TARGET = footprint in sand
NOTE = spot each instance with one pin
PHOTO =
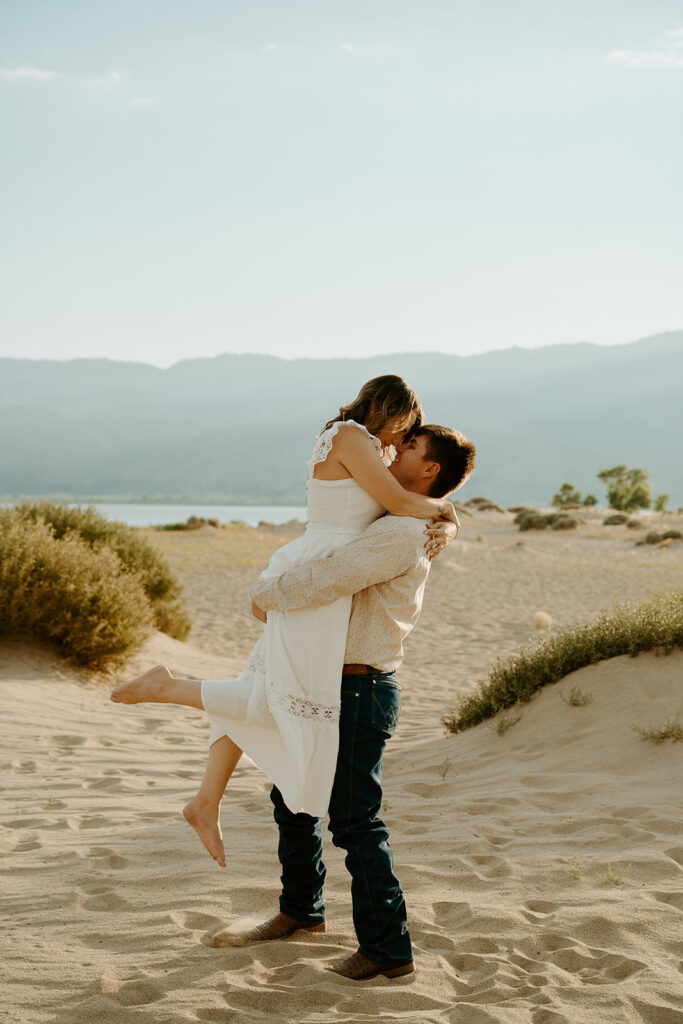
(595, 966)
(67, 740)
(138, 993)
(422, 789)
(672, 899)
(103, 857)
(538, 910)
(88, 821)
(490, 866)
(193, 921)
(102, 901)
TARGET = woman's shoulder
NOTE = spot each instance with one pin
(350, 431)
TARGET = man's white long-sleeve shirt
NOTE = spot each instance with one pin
(386, 569)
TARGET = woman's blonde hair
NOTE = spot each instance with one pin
(381, 400)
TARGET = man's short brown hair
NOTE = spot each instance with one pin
(454, 453)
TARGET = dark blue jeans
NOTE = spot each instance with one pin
(370, 708)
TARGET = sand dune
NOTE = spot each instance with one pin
(541, 867)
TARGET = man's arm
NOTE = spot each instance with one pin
(377, 555)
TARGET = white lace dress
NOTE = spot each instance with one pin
(283, 710)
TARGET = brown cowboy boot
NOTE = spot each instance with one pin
(278, 927)
(358, 968)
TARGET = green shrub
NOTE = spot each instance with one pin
(480, 501)
(70, 593)
(532, 519)
(616, 520)
(627, 489)
(534, 522)
(656, 623)
(524, 513)
(136, 555)
(590, 499)
(634, 524)
(564, 523)
(567, 495)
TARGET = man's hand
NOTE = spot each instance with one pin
(258, 613)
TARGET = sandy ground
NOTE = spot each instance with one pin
(541, 867)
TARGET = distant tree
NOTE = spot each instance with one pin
(567, 495)
(590, 499)
(627, 489)
(661, 501)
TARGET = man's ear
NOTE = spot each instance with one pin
(432, 470)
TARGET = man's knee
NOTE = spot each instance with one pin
(367, 831)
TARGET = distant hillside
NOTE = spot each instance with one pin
(239, 428)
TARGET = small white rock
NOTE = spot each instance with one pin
(543, 620)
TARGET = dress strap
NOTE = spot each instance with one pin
(323, 443)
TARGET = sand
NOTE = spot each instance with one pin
(541, 867)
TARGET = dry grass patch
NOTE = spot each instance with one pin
(672, 730)
(653, 624)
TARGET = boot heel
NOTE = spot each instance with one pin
(396, 972)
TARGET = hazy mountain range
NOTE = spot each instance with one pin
(238, 429)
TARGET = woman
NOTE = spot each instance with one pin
(283, 710)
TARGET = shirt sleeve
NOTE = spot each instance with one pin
(372, 558)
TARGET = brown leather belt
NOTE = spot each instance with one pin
(358, 670)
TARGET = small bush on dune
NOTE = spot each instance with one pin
(616, 520)
(69, 593)
(655, 537)
(630, 628)
(135, 554)
(532, 519)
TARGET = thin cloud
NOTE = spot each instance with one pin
(112, 79)
(347, 48)
(666, 55)
(27, 74)
(651, 59)
(270, 47)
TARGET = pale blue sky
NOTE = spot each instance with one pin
(309, 178)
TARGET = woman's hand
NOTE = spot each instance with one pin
(258, 613)
(447, 514)
(441, 531)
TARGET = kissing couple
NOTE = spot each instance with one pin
(318, 698)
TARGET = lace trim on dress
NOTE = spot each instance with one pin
(298, 707)
(323, 443)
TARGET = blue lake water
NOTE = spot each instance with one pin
(153, 515)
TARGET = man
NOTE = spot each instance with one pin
(386, 569)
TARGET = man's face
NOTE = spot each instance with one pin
(409, 465)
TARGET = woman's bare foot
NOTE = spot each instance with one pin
(147, 687)
(204, 820)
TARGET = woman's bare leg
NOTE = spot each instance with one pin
(203, 811)
(158, 686)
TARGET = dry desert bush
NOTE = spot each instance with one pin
(134, 553)
(66, 591)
